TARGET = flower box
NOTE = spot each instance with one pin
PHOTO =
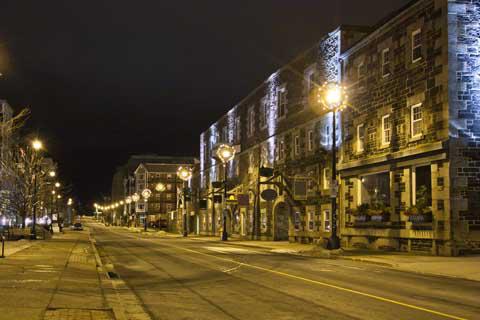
(380, 218)
(362, 218)
(420, 218)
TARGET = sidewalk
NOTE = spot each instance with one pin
(52, 279)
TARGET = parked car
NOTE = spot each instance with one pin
(77, 226)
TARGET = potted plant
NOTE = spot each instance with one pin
(361, 213)
(421, 211)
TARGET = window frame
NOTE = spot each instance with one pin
(310, 139)
(281, 101)
(360, 75)
(360, 141)
(238, 129)
(412, 121)
(413, 46)
(263, 112)
(251, 121)
(327, 220)
(384, 136)
(385, 65)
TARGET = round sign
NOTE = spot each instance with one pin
(269, 194)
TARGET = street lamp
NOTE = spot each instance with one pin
(160, 187)
(226, 153)
(146, 193)
(57, 184)
(52, 174)
(185, 174)
(37, 145)
(333, 97)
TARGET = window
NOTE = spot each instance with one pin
(326, 135)
(326, 178)
(416, 45)
(169, 207)
(225, 134)
(251, 121)
(282, 102)
(386, 62)
(297, 145)
(326, 220)
(360, 70)
(386, 130)
(169, 196)
(416, 121)
(311, 220)
(310, 78)
(360, 137)
(251, 164)
(422, 186)
(264, 112)
(238, 129)
(375, 189)
(169, 186)
(281, 150)
(310, 140)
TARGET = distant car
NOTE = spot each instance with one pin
(77, 226)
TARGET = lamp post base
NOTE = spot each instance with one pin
(185, 233)
(333, 243)
(224, 236)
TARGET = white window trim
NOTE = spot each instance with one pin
(264, 112)
(311, 218)
(308, 75)
(310, 140)
(327, 217)
(384, 142)
(360, 144)
(414, 33)
(281, 90)
(326, 179)
(251, 121)
(384, 75)
(418, 135)
(296, 144)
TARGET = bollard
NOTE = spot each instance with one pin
(3, 247)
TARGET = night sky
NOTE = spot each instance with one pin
(106, 79)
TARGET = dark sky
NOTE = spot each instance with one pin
(105, 79)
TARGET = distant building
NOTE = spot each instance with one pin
(409, 170)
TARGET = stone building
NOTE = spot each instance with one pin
(408, 161)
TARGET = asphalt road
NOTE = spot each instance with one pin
(179, 278)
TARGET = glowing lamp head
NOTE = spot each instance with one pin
(52, 174)
(184, 173)
(37, 145)
(128, 200)
(59, 197)
(53, 192)
(332, 96)
(146, 193)
(226, 152)
(135, 197)
(57, 184)
(121, 202)
(160, 187)
(95, 205)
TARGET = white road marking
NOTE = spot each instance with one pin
(231, 250)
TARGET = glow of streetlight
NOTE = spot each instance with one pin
(121, 202)
(160, 187)
(128, 200)
(53, 192)
(52, 174)
(146, 193)
(184, 173)
(332, 96)
(59, 197)
(37, 145)
(135, 197)
(57, 184)
(226, 152)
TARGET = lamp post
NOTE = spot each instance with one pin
(185, 174)
(128, 201)
(37, 145)
(135, 198)
(333, 98)
(226, 153)
(146, 193)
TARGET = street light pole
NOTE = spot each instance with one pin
(184, 173)
(37, 145)
(334, 99)
(226, 153)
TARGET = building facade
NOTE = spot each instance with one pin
(408, 169)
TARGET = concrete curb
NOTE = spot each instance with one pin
(11, 251)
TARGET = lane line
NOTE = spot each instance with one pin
(288, 275)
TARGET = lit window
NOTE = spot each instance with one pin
(422, 186)
(282, 102)
(281, 150)
(416, 45)
(386, 62)
(360, 70)
(326, 178)
(310, 140)
(326, 220)
(169, 186)
(360, 137)
(386, 130)
(297, 145)
(416, 120)
(375, 189)
(169, 196)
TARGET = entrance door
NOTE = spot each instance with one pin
(281, 214)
